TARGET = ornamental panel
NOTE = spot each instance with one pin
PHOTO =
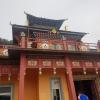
(8, 70)
(52, 46)
(76, 64)
(71, 47)
(43, 46)
(32, 63)
(89, 64)
(56, 46)
(59, 47)
(83, 48)
(3, 52)
(47, 63)
(60, 63)
(98, 64)
(5, 70)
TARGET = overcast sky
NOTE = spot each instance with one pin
(83, 15)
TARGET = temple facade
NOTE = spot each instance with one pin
(46, 63)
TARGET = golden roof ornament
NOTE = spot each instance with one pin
(53, 30)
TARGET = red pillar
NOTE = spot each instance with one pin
(21, 77)
(70, 80)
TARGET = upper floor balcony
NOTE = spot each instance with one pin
(64, 45)
(51, 45)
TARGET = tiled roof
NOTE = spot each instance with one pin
(38, 21)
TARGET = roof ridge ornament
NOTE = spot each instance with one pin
(53, 30)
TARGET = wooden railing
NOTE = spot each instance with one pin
(53, 45)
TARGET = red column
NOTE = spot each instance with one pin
(70, 80)
(21, 77)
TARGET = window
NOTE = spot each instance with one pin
(5, 92)
(56, 89)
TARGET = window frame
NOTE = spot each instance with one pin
(11, 86)
(60, 83)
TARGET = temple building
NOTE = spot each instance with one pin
(46, 63)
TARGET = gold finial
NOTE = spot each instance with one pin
(54, 30)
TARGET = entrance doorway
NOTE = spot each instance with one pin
(5, 92)
(86, 87)
(4, 98)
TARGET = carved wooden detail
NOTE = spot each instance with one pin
(43, 46)
(89, 64)
(75, 63)
(3, 52)
(98, 64)
(71, 47)
(8, 70)
(32, 63)
(59, 47)
(60, 63)
(47, 63)
(5, 70)
(83, 48)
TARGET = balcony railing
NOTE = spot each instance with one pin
(53, 45)
(62, 45)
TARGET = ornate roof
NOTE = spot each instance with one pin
(43, 22)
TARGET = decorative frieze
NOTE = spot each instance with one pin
(60, 63)
(8, 70)
(59, 47)
(47, 63)
(43, 46)
(50, 46)
(5, 70)
(75, 63)
(83, 48)
(32, 63)
(3, 52)
(98, 64)
(89, 64)
(71, 47)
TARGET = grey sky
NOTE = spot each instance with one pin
(83, 15)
